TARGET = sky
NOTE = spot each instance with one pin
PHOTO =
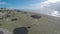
(18, 4)
(40, 6)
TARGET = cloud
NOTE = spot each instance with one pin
(3, 3)
(52, 4)
(51, 7)
(47, 3)
(55, 6)
(53, 1)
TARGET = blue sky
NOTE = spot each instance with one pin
(43, 6)
(18, 4)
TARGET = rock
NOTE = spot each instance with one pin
(28, 27)
(4, 31)
(1, 18)
(20, 30)
(36, 16)
(14, 19)
(7, 15)
(0, 24)
(1, 32)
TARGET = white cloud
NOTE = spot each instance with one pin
(43, 4)
(51, 7)
(53, 1)
(48, 3)
(3, 3)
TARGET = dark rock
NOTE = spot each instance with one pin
(28, 27)
(36, 16)
(25, 12)
(1, 18)
(14, 19)
(7, 15)
(0, 24)
(1, 32)
(19, 11)
(21, 30)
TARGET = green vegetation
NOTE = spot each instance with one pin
(1, 11)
